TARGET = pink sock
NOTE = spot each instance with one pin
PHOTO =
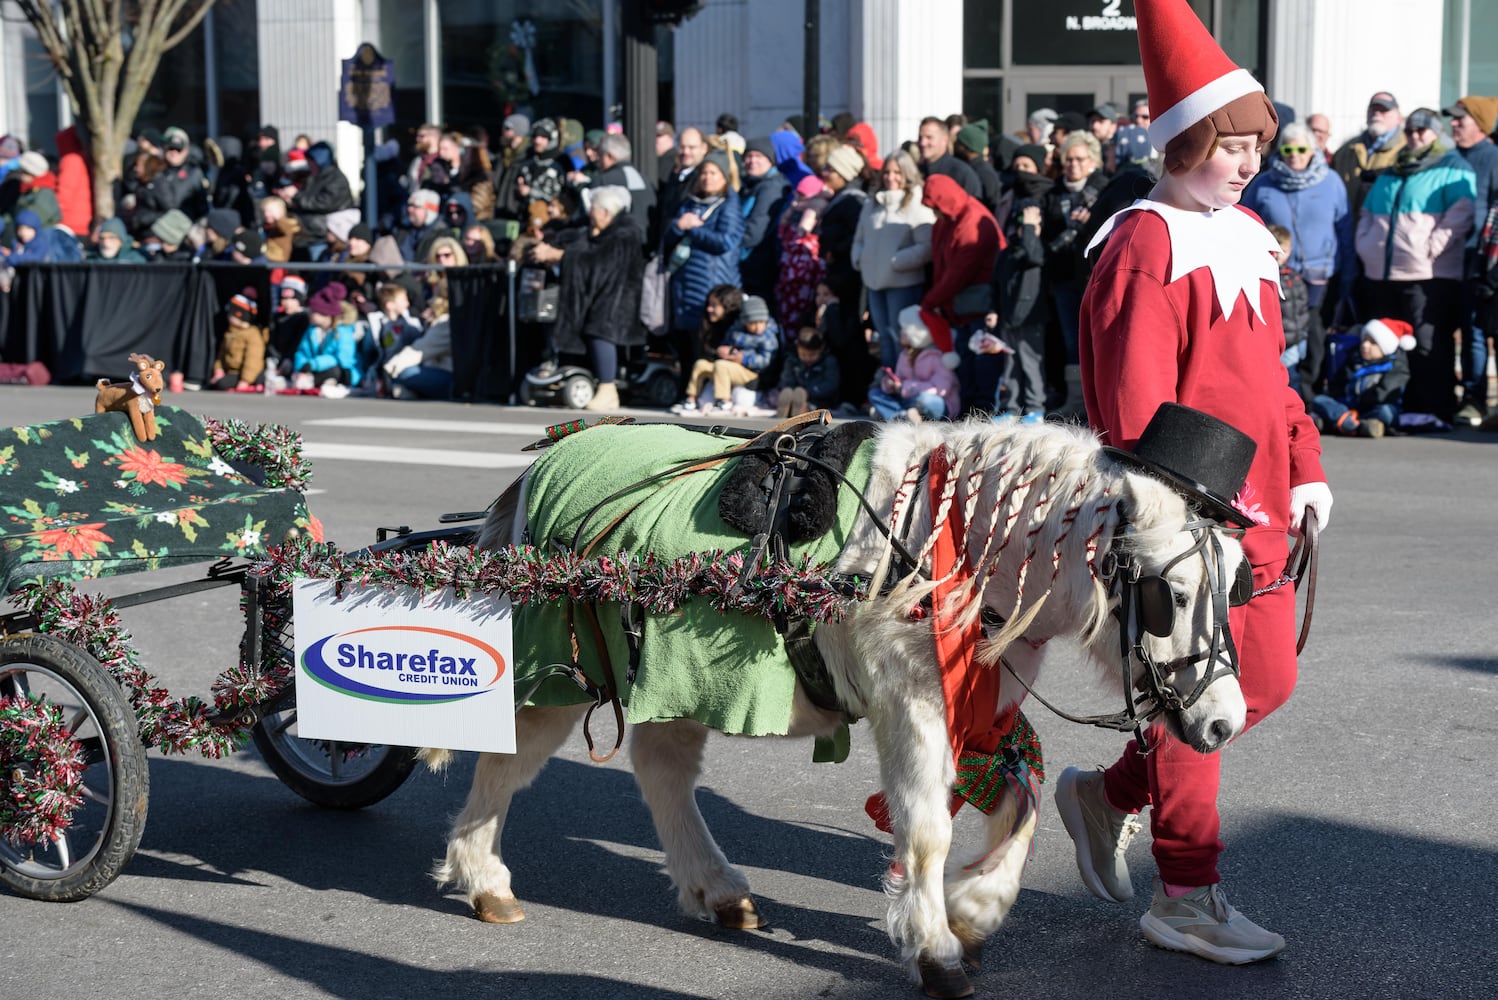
(1173, 891)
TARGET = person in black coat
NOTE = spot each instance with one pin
(936, 157)
(599, 308)
(616, 170)
(326, 192)
(763, 199)
(972, 149)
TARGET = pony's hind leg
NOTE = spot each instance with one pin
(667, 758)
(473, 859)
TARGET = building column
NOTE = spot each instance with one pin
(302, 48)
(1319, 58)
(907, 64)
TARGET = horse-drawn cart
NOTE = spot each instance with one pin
(84, 498)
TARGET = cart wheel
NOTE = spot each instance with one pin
(106, 829)
(577, 392)
(662, 389)
(524, 394)
(327, 773)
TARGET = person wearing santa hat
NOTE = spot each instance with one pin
(923, 383)
(1365, 396)
(1183, 306)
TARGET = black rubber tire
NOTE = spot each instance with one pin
(524, 394)
(294, 761)
(122, 821)
(577, 392)
(662, 389)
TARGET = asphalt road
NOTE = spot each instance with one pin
(1360, 820)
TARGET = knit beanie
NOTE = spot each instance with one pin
(249, 243)
(754, 310)
(172, 228)
(1482, 110)
(761, 145)
(242, 306)
(1390, 335)
(328, 301)
(974, 135)
(519, 124)
(1034, 152)
(294, 287)
(846, 162)
(224, 222)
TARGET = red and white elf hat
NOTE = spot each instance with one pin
(1390, 335)
(923, 328)
(1195, 91)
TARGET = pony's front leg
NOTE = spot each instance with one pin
(667, 758)
(915, 763)
(473, 859)
(980, 892)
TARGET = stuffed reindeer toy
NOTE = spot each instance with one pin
(137, 398)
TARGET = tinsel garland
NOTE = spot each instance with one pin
(272, 447)
(43, 769)
(524, 574)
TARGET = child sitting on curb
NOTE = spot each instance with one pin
(923, 385)
(811, 379)
(1364, 396)
(747, 350)
(240, 366)
(327, 358)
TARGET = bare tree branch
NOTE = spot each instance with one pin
(193, 20)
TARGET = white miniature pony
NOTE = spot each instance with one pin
(1052, 523)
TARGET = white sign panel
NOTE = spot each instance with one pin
(394, 667)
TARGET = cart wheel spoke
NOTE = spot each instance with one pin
(78, 719)
(64, 852)
(96, 796)
(93, 751)
(335, 760)
(284, 724)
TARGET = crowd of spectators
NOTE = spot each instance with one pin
(809, 267)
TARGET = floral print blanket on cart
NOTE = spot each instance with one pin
(82, 498)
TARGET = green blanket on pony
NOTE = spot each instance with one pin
(727, 671)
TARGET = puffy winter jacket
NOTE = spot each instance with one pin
(714, 259)
(893, 243)
(1414, 223)
(924, 371)
(1318, 219)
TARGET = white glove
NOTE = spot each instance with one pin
(406, 357)
(1316, 497)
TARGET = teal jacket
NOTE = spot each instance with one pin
(1414, 224)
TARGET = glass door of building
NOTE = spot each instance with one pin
(1068, 88)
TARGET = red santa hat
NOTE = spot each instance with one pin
(1196, 93)
(1390, 335)
(921, 329)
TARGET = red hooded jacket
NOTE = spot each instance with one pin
(75, 182)
(965, 242)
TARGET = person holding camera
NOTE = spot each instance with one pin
(1068, 208)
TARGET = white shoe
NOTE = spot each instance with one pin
(1203, 923)
(684, 408)
(333, 390)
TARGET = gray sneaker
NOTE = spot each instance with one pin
(1203, 923)
(1100, 832)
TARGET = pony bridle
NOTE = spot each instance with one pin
(1146, 605)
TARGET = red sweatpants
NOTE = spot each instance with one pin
(1181, 784)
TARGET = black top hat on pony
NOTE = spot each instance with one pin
(1204, 458)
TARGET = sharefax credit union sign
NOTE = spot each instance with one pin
(398, 668)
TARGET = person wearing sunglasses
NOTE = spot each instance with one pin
(1411, 237)
(1300, 193)
(1183, 307)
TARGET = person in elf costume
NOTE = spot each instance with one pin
(1183, 306)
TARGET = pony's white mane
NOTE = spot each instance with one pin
(1041, 506)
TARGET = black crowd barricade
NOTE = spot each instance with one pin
(83, 321)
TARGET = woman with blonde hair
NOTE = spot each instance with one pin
(892, 247)
(446, 252)
(1067, 209)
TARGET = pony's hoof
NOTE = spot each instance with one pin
(942, 982)
(492, 909)
(739, 914)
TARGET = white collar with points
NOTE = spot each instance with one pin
(1236, 248)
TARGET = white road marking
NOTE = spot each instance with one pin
(417, 424)
(387, 455)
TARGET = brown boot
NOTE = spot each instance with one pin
(1370, 428)
(606, 398)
